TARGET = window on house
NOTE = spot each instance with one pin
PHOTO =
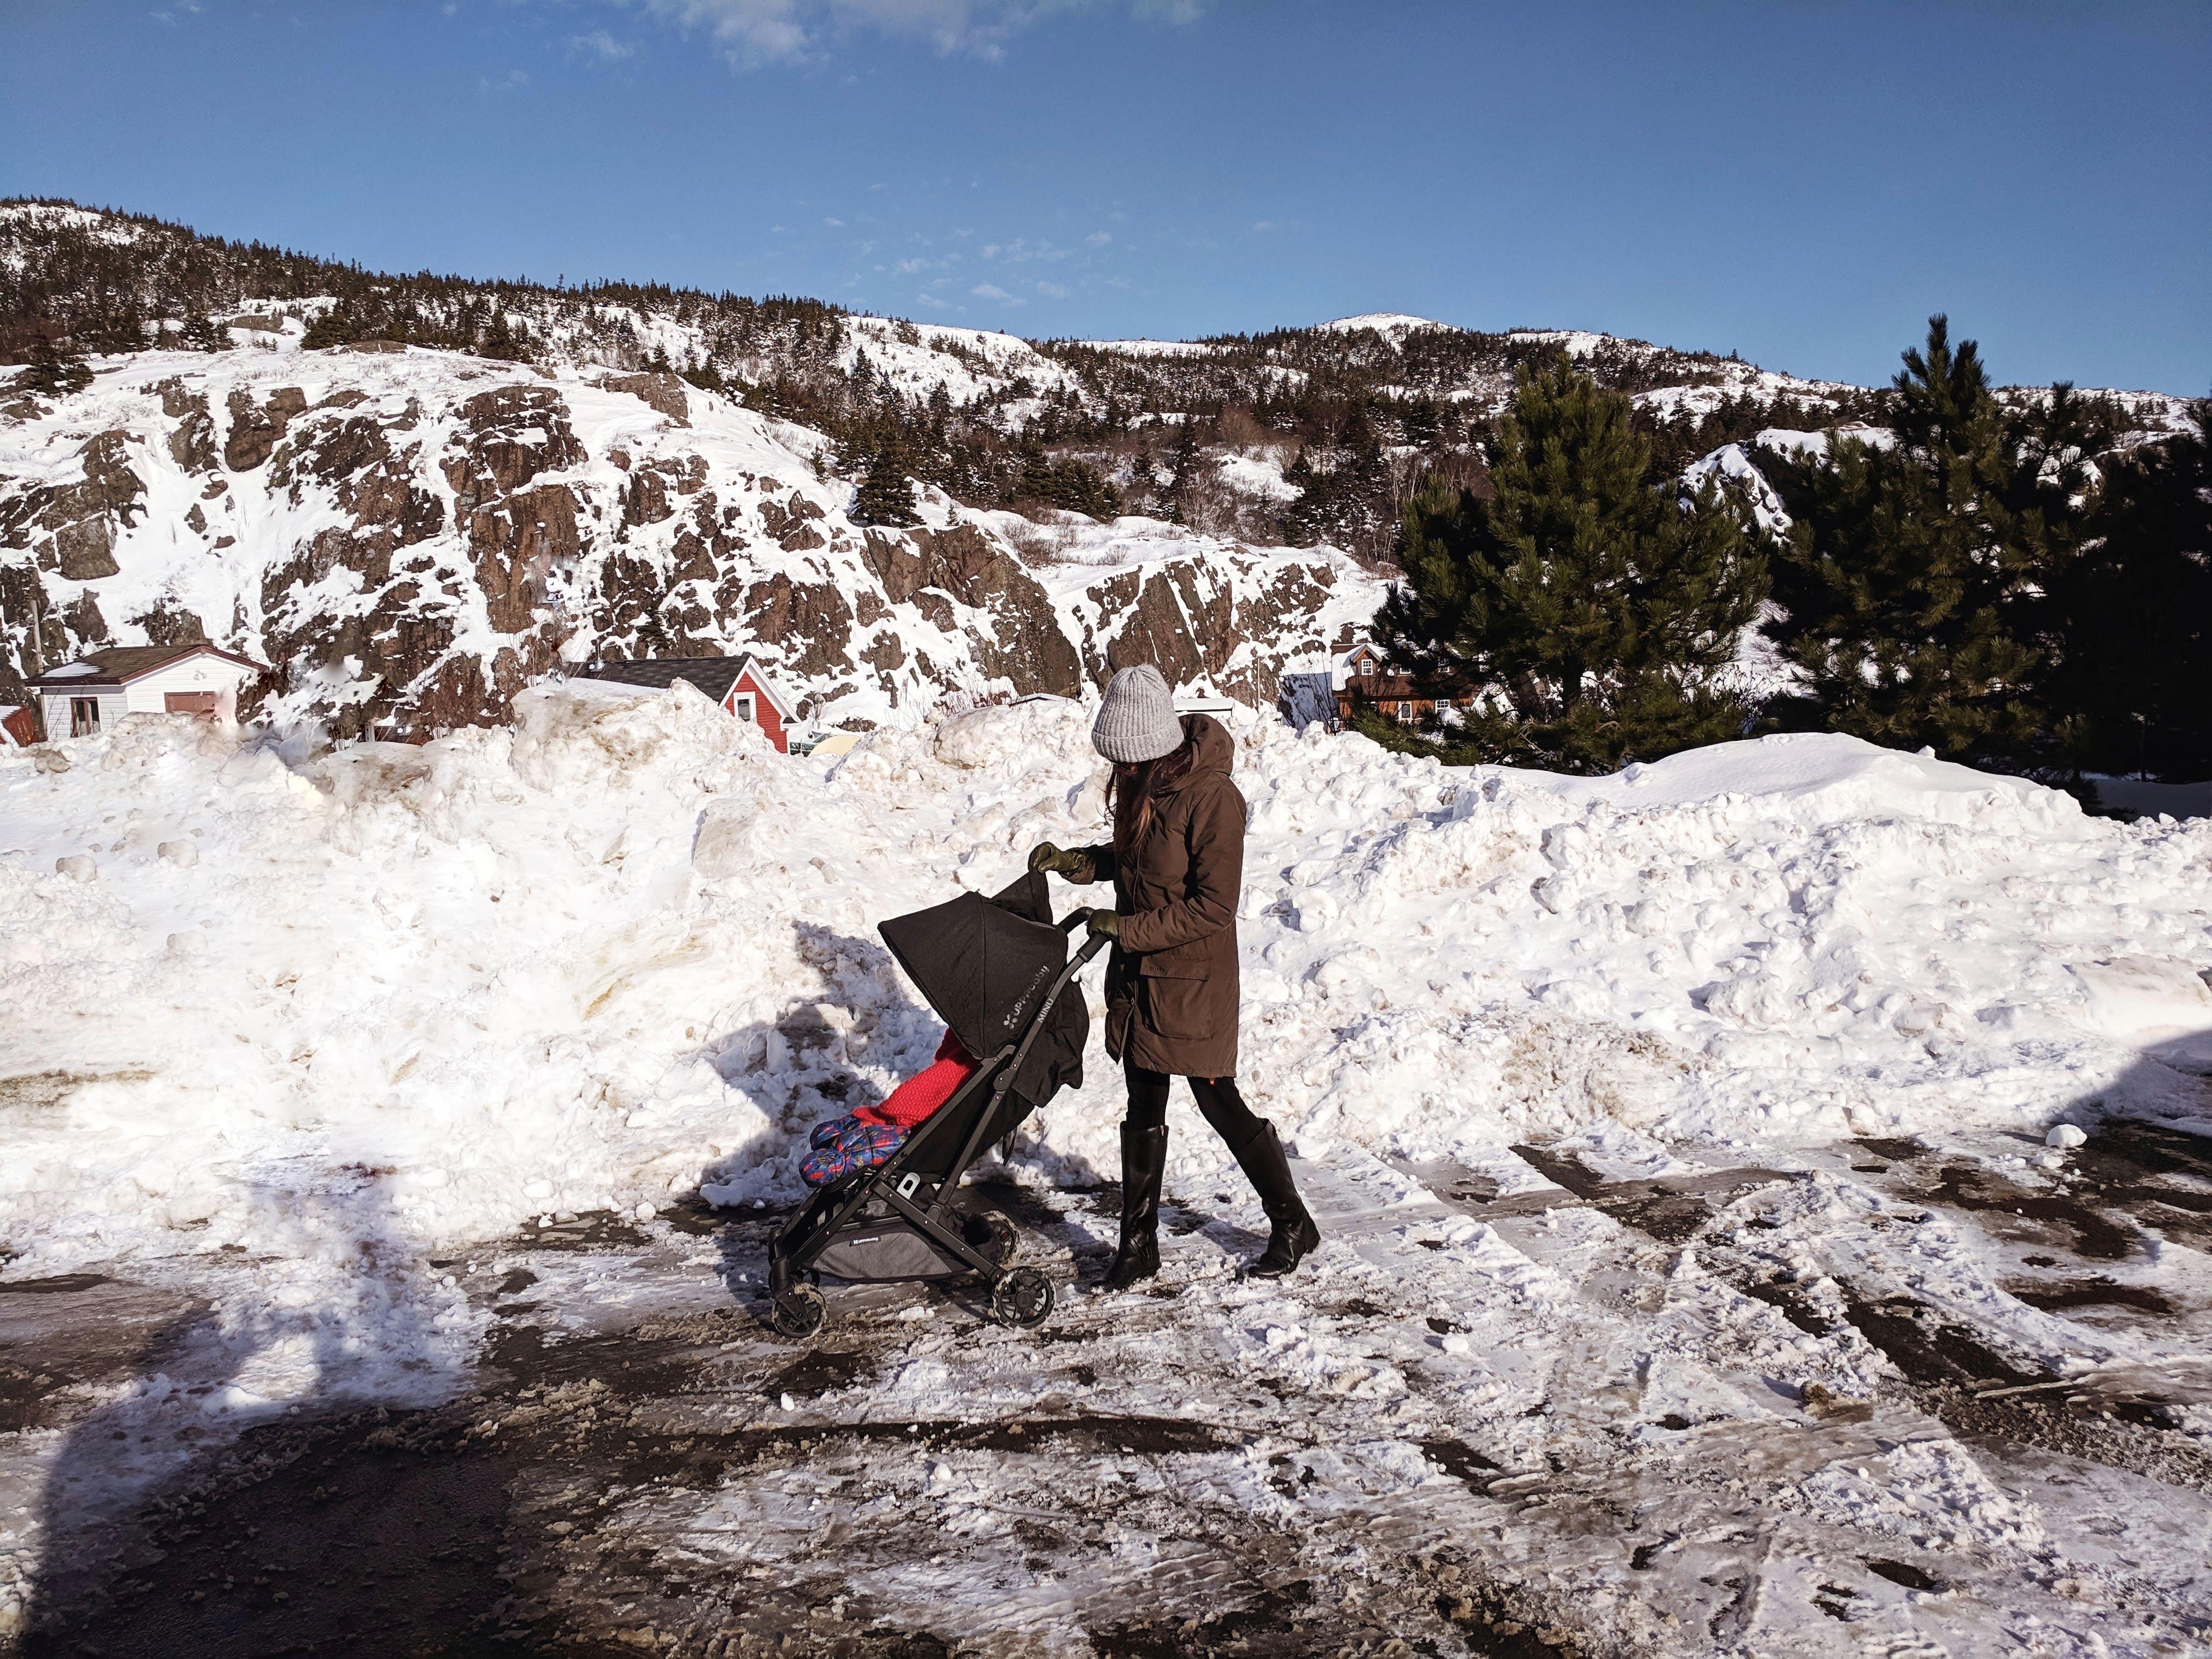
(745, 706)
(1367, 664)
(84, 716)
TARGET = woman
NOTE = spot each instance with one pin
(1176, 862)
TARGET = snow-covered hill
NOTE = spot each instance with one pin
(410, 536)
(1393, 325)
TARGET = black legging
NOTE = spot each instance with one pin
(1216, 1096)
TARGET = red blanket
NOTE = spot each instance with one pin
(926, 1091)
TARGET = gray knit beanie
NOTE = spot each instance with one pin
(1137, 721)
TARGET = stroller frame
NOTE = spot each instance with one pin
(1021, 1296)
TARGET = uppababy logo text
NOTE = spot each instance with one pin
(1014, 1017)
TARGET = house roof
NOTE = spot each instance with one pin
(715, 676)
(126, 663)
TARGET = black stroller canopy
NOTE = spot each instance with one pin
(984, 964)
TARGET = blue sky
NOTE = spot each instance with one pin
(1803, 183)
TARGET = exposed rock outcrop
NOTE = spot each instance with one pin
(408, 548)
(256, 428)
(658, 388)
(71, 528)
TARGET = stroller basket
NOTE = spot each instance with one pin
(997, 970)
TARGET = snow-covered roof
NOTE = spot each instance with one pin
(715, 677)
(133, 662)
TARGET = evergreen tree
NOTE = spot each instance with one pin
(118, 328)
(56, 367)
(201, 333)
(335, 326)
(1589, 605)
(1141, 478)
(1909, 582)
(505, 341)
(1184, 465)
(706, 376)
(885, 496)
(2132, 615)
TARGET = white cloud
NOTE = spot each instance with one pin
(835, 224)
(1021, 250)
(1099, 238)
(601, 47)
(512, 81)
(755, 32)
(992, 291)
(1052, 290)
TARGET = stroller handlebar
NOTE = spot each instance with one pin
(1090, 947)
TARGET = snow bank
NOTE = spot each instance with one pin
(394, 999)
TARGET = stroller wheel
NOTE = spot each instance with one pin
(799, 1312)
(1023, 1297)
(993, 1235)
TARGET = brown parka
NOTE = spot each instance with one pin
(1171, 985)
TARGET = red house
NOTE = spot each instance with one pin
(740, 684)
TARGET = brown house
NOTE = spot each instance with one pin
(1364, 677)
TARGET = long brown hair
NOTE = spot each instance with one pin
(1133, 793)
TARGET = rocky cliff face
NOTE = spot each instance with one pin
(409, 537)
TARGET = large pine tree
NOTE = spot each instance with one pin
(1908, 586)
(2131, 614)
(1592, 605)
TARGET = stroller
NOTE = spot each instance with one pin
(995, 971)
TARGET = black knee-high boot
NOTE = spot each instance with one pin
(1143, 1167)
(1292, 1232)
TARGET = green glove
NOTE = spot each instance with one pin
(1045, 856)
(1104, 924)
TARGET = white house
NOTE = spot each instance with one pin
(91, 694)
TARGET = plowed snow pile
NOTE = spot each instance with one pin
(397, 998)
